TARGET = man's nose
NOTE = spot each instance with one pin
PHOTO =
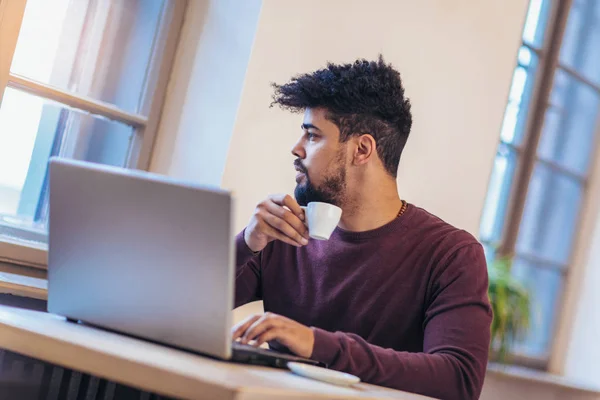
(298, 149)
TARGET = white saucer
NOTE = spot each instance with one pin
(323, 374)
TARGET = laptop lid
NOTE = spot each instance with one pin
(141, 254)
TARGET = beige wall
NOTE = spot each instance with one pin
(456, 59)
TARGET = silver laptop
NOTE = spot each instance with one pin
(144, 255)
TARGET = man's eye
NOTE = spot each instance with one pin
(311, 136)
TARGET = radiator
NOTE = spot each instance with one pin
(24, 378)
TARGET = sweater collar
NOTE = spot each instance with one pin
(396, 224)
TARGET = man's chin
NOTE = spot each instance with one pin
(300, 194)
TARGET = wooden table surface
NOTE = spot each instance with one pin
(161, 369)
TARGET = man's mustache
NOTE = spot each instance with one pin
(299, 166)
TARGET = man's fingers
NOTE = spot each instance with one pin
(260, 326)
(288, 217)
(274, 233)
(270, 335)
(289, 202)
(240, 328)
(285, 228)
(257, 329)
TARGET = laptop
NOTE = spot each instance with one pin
(145, 255)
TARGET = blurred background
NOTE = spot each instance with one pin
(506, 101)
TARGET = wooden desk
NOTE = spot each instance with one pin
(161, 369)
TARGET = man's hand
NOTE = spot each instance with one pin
(278, 217)
(298, 338)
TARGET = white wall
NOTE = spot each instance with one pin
(204, 89)
(583, 351)
(455, 57)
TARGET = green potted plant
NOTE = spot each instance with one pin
(511, 306)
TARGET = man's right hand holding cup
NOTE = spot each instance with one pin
(279, 217)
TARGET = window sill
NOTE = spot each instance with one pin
(22, 252)
(540, 377)
(24, 286)
(37, 288)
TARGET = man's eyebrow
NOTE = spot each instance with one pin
(309, 126)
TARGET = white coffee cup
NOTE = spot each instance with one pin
(321, 219)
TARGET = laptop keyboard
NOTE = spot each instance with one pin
(254, 355)
(237, 346)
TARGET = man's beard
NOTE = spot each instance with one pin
(331, 191)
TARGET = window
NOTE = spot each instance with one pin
(547, 145)
(82, 79)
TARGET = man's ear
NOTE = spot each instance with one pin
(365, 149)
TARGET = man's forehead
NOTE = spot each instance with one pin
(312, 115)
(317, 118)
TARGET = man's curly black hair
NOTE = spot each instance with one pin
(363, 97)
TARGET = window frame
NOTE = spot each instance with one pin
(29, 253)
(572, 270)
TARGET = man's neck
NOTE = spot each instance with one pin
(371, 209)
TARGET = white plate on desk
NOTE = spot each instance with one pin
(323, 374)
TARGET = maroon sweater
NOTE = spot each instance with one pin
(404, 305)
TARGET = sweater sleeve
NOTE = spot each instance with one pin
(455, 345)
(247, 277)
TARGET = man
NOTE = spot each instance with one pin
(397, 296)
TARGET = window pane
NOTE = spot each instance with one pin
(549, 219)
(33, 129)
(544, 287)
(490, 252)
(100, 49)
(535, 24)
(570, 123)
(581, 42)
(494, 212)
(515, 116)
